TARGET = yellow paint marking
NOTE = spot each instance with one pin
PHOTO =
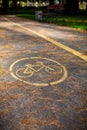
(76, 53)
(23, 77)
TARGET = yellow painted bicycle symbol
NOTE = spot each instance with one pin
(38, 71)
(30, 69)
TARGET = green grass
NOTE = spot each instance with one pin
(28, 16)
(79, 21)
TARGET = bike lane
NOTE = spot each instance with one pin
(45, 100)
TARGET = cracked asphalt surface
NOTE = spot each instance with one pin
(42, 85)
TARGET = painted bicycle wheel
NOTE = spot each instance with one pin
(22, 73)
(52, 69)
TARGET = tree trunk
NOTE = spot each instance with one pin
(71, 6)
(5, 6)
(15, 5)
(51, 2)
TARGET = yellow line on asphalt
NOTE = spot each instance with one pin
(76, 53)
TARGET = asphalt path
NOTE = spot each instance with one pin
(43, 76)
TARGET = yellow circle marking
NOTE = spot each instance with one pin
(39, 84)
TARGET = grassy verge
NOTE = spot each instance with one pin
(79, 21)
(28, 16)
